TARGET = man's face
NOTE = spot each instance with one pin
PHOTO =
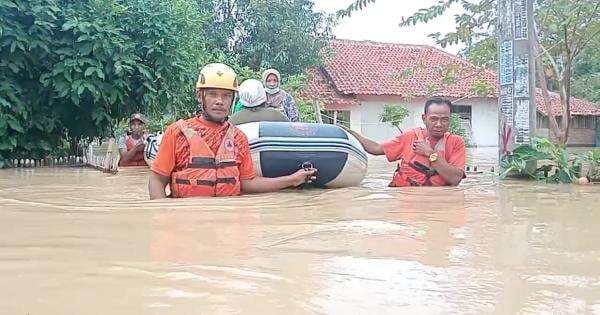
(137, 127)
(272, 81)
(437, 119)
(217, 103)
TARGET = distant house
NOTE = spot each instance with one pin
(358, 78)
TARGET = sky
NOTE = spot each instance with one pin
(379, 22)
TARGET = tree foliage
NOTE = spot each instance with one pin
(70, 68)
(74, 69)
(261, 34)
(586, 74)
(394, 115)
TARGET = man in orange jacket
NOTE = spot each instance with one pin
(208, 156)
(427, 157)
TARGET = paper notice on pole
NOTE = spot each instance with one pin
(520, 18)
(522, 121)
(506, 104)
(522, 76)
(506, 62)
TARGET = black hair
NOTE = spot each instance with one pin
(438, 100)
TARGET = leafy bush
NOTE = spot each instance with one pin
(566, 169)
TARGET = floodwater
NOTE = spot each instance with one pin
(78, 241)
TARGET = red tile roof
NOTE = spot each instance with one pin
(354, 68)
(320, 87)
(579, 107)
(364, 67)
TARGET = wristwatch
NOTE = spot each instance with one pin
(433, 157)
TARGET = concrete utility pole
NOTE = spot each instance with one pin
(516, 73)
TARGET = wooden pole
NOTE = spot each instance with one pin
(317, 109)
(108, 160)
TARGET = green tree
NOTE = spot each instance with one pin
(71, 69)
(394, 115)
(169, 39)
(25, 123)
(586, 75)
(284, 34)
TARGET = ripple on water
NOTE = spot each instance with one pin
(486, 246)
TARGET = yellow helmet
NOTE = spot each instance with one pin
(217, 76)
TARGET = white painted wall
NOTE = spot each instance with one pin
(372, 127)
(484, 118)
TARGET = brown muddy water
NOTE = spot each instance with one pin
(78, 241)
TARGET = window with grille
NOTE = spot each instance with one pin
(337, 117)
(463, 111)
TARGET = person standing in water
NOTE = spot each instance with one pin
(253, 97)
(131, 145)
(278, 98)
(208, 156)
(427, 157)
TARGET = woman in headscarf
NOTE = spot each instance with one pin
(253, 97)
(278, 98)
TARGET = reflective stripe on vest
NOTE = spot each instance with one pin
(207, 174)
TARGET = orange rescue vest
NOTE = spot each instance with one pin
(207, 174)
(415, 169)
(138, 158)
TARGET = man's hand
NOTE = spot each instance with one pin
(423, 148)
(305, 175)
(369, 145)
(140, 147)
(265, 184)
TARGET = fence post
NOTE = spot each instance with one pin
(317, 109)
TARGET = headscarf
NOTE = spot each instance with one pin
(275, 96)
(252, 93)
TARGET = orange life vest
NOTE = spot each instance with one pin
(138, 158)
(207, 174)
(415, 169)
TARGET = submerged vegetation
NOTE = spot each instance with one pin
(557, 165)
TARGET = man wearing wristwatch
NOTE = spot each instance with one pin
(427, 157)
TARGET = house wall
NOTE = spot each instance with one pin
(578, 137)
(582, 130)
(484, 124)
(366, 118)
